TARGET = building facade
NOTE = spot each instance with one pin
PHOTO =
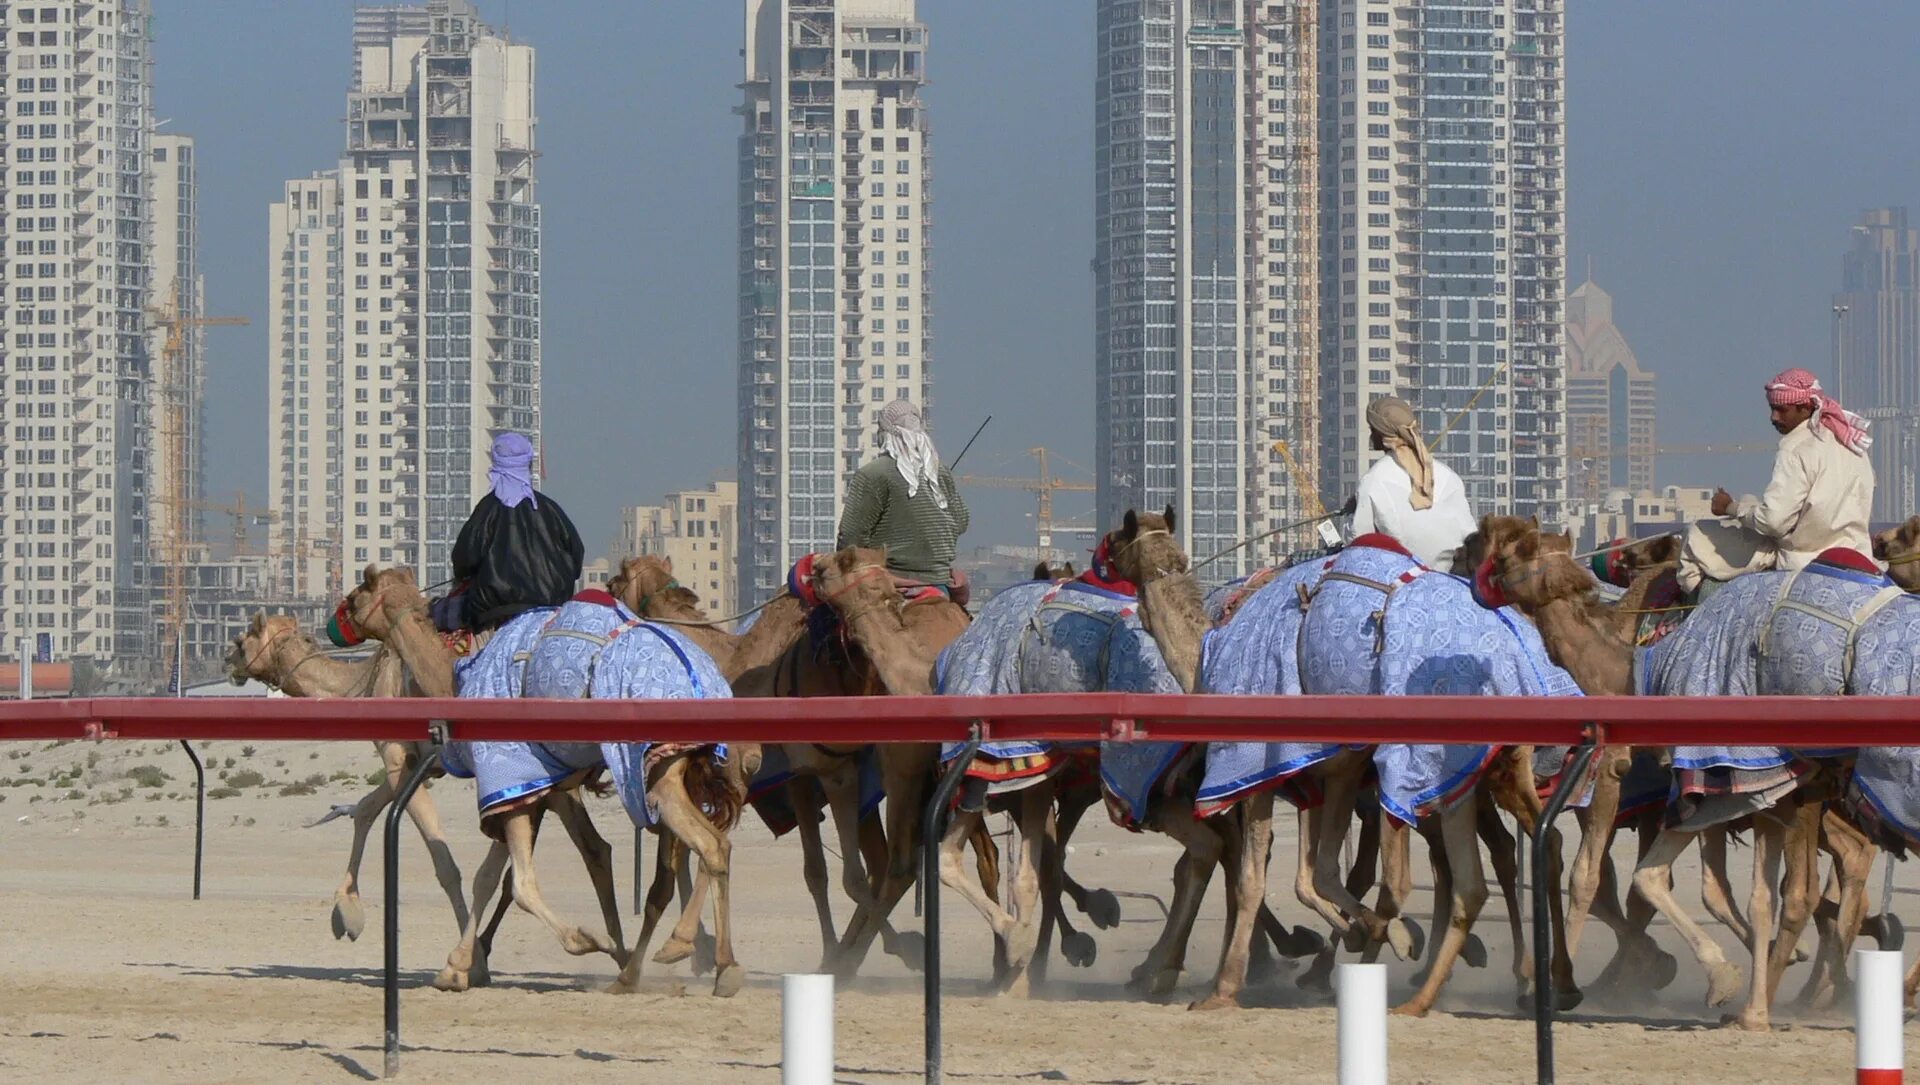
(833, 239)
(74, 331)
(1204, 268)
(405, 298)
(178, 394)
(1610, 403)
(1444, 238)
(1877, 351)
(696, 530)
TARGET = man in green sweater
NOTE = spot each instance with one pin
(905, 501)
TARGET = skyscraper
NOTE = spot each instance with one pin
(833, 236)
(178, 392)
(405, 297)
(1444, 238)
(1204, 265)
(1877, 350)
(1610, 403)
(74, 327)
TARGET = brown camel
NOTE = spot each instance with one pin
(1584, 639)
(894, 642)
(388, 606)
(273, 650)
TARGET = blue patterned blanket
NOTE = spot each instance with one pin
(1380, 624)
(603, 652)
(505, 771)
(768, 794)
(1060, 638)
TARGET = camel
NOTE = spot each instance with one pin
(894, 643)
(388, 606)
(1174, 615)
(774, 659)
(1558, 596)
(275, 651)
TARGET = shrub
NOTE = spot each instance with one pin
(223, 792)
(296, 789)
(146, 775)
(246, 778)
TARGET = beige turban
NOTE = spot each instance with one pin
(1399, 431)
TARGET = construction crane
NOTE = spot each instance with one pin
(176, 408)
(1309, 493)
(242, 515)
(1043, 487)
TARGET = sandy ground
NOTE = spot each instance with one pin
(112, 972)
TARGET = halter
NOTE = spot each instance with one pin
(864, 573)
(1145, 533)
(641, 605)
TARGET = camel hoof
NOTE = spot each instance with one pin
(1214, 1002)
(1723, 982)
(911, 949)
(1301, 942)
(349, 918)
(1163, 983)
(1748, 1021)
(1318, 979)
(673, 952)
(1665, 968)
(1103, 909)
(1563, 1001)
(581, 944)
(450, 980)
(1888, 932)
(703, 954)
(1354, 939)
(1402, 939)
(1409, 1009)
(1474, 952)
(479, 975)
(1079, 949)
(621, 987)
(728, 981)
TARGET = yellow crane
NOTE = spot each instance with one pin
(176, 407)
(1043, 487)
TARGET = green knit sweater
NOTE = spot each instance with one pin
(919, 536)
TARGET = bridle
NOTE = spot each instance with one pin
(862, 573)
(1138, 537)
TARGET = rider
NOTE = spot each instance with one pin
(1820, 496)
(905, 501)
(1407, 494)
(517, 551)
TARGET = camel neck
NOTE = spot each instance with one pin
(1176, 619)
(425, 653)
(300, 667)
(1599, 660)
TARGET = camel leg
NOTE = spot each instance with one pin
(953, 875)
(349, 917)
(1100, 906)
(813, 859)
(1801, 855)
(1466, 894)
(684, 819)
(1716, 889)
(462, 962)
(1342, 790)
(1500, 851)
(905, 769)
(1250, 891)
(1396, 878)
(1653, 880)
(1842, 910)
(667, 858)
(1596, 840)
(1318, 977)
(1037, 880)
(597, 854)
(1769, 844)
(1528, 810)
(1160, 972)
(518, 827)
(426, 818)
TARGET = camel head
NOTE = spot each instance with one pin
(855, 582)
(1143, 550)
(1495, 531)
(641, 580)
(1046, 570)
(1900, 548)
(369, 608)
(1531, 571)
(251, 654)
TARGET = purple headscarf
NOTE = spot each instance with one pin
(512, 473)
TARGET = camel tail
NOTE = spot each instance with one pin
(709, 787)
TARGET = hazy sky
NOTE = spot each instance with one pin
(1719, 150)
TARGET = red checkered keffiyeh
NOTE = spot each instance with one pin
(1797, 386)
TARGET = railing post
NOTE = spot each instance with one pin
(392, 892)
(936, 829)
(199, 812)
(1571, 780)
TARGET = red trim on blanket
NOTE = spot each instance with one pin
(1375, 540)
(1845, 557)
(596, 597)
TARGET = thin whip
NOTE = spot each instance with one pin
(1295, 526)
(721, 621)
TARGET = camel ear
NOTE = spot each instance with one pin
(1171, 520)
(667, 564)
(1666, 549)
(259, 621)
(1130, 525)
(1533, 522)
(372, 571)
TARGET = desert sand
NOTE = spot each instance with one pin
(113, 973)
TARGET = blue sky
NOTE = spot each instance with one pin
(1719, 151)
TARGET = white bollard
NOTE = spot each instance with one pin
(1879, 1011)
(806, 1030)
(1362, 1002)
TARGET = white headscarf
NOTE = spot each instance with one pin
(904, 437)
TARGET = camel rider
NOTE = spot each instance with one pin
(1820, 496)
(517, 551)
(1407, 494)
(905, 501)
